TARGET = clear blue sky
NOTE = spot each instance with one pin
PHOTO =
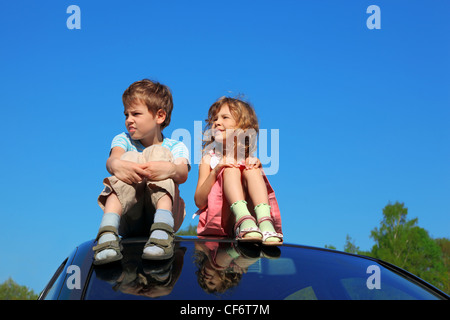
(363, 115)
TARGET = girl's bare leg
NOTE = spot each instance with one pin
(256, 187)
(232, 185)
(234, 194)
(257, 190)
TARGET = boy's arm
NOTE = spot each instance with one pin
(161, 170)
(127, 171)
(114, 155)
(181, 170)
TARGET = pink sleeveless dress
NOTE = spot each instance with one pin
(217, 220)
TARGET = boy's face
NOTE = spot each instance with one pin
(141, 124)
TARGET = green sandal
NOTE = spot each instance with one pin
(165, 244)
(113, 245)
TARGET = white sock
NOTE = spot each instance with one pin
(164, 216)
(109, 219)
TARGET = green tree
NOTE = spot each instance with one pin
(401, 242)
(444, 244)
(189, 231)
(350, 246)
(10, 290)
(392, 239)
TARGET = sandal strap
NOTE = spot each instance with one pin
(161, 226)
(114, 245)
(243, 232)
(104, 229)
(268, 234)
(271, 234)
(163, 243)
(242, 219)
(266, 218)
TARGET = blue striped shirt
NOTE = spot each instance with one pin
(178, 148)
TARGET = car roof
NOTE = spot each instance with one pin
(241, 271)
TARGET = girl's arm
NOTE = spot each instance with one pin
(206, 179)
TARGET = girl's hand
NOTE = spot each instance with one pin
(252, 163)
(225, 163)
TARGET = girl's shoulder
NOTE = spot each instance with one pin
(206, 159)
(210, 159)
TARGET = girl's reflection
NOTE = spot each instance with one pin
(221, 265)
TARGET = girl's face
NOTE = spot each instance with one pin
(224, 124)
(211, 277)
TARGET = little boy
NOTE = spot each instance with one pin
(142, 197)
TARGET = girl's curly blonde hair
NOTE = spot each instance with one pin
(246, 124)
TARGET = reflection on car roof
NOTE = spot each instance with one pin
(208, 269)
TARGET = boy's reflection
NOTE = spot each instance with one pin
(143, 278)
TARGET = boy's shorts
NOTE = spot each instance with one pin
(139, 200)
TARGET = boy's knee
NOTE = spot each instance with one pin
(132, 156)
(157, 153)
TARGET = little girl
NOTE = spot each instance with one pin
(231, 182)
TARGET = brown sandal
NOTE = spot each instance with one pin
(165, 244)
(113, 245)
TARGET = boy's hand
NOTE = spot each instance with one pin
(159, 170)
(129, 172)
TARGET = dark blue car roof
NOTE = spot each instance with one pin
(243, 272)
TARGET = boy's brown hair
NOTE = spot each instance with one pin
(154, 95)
